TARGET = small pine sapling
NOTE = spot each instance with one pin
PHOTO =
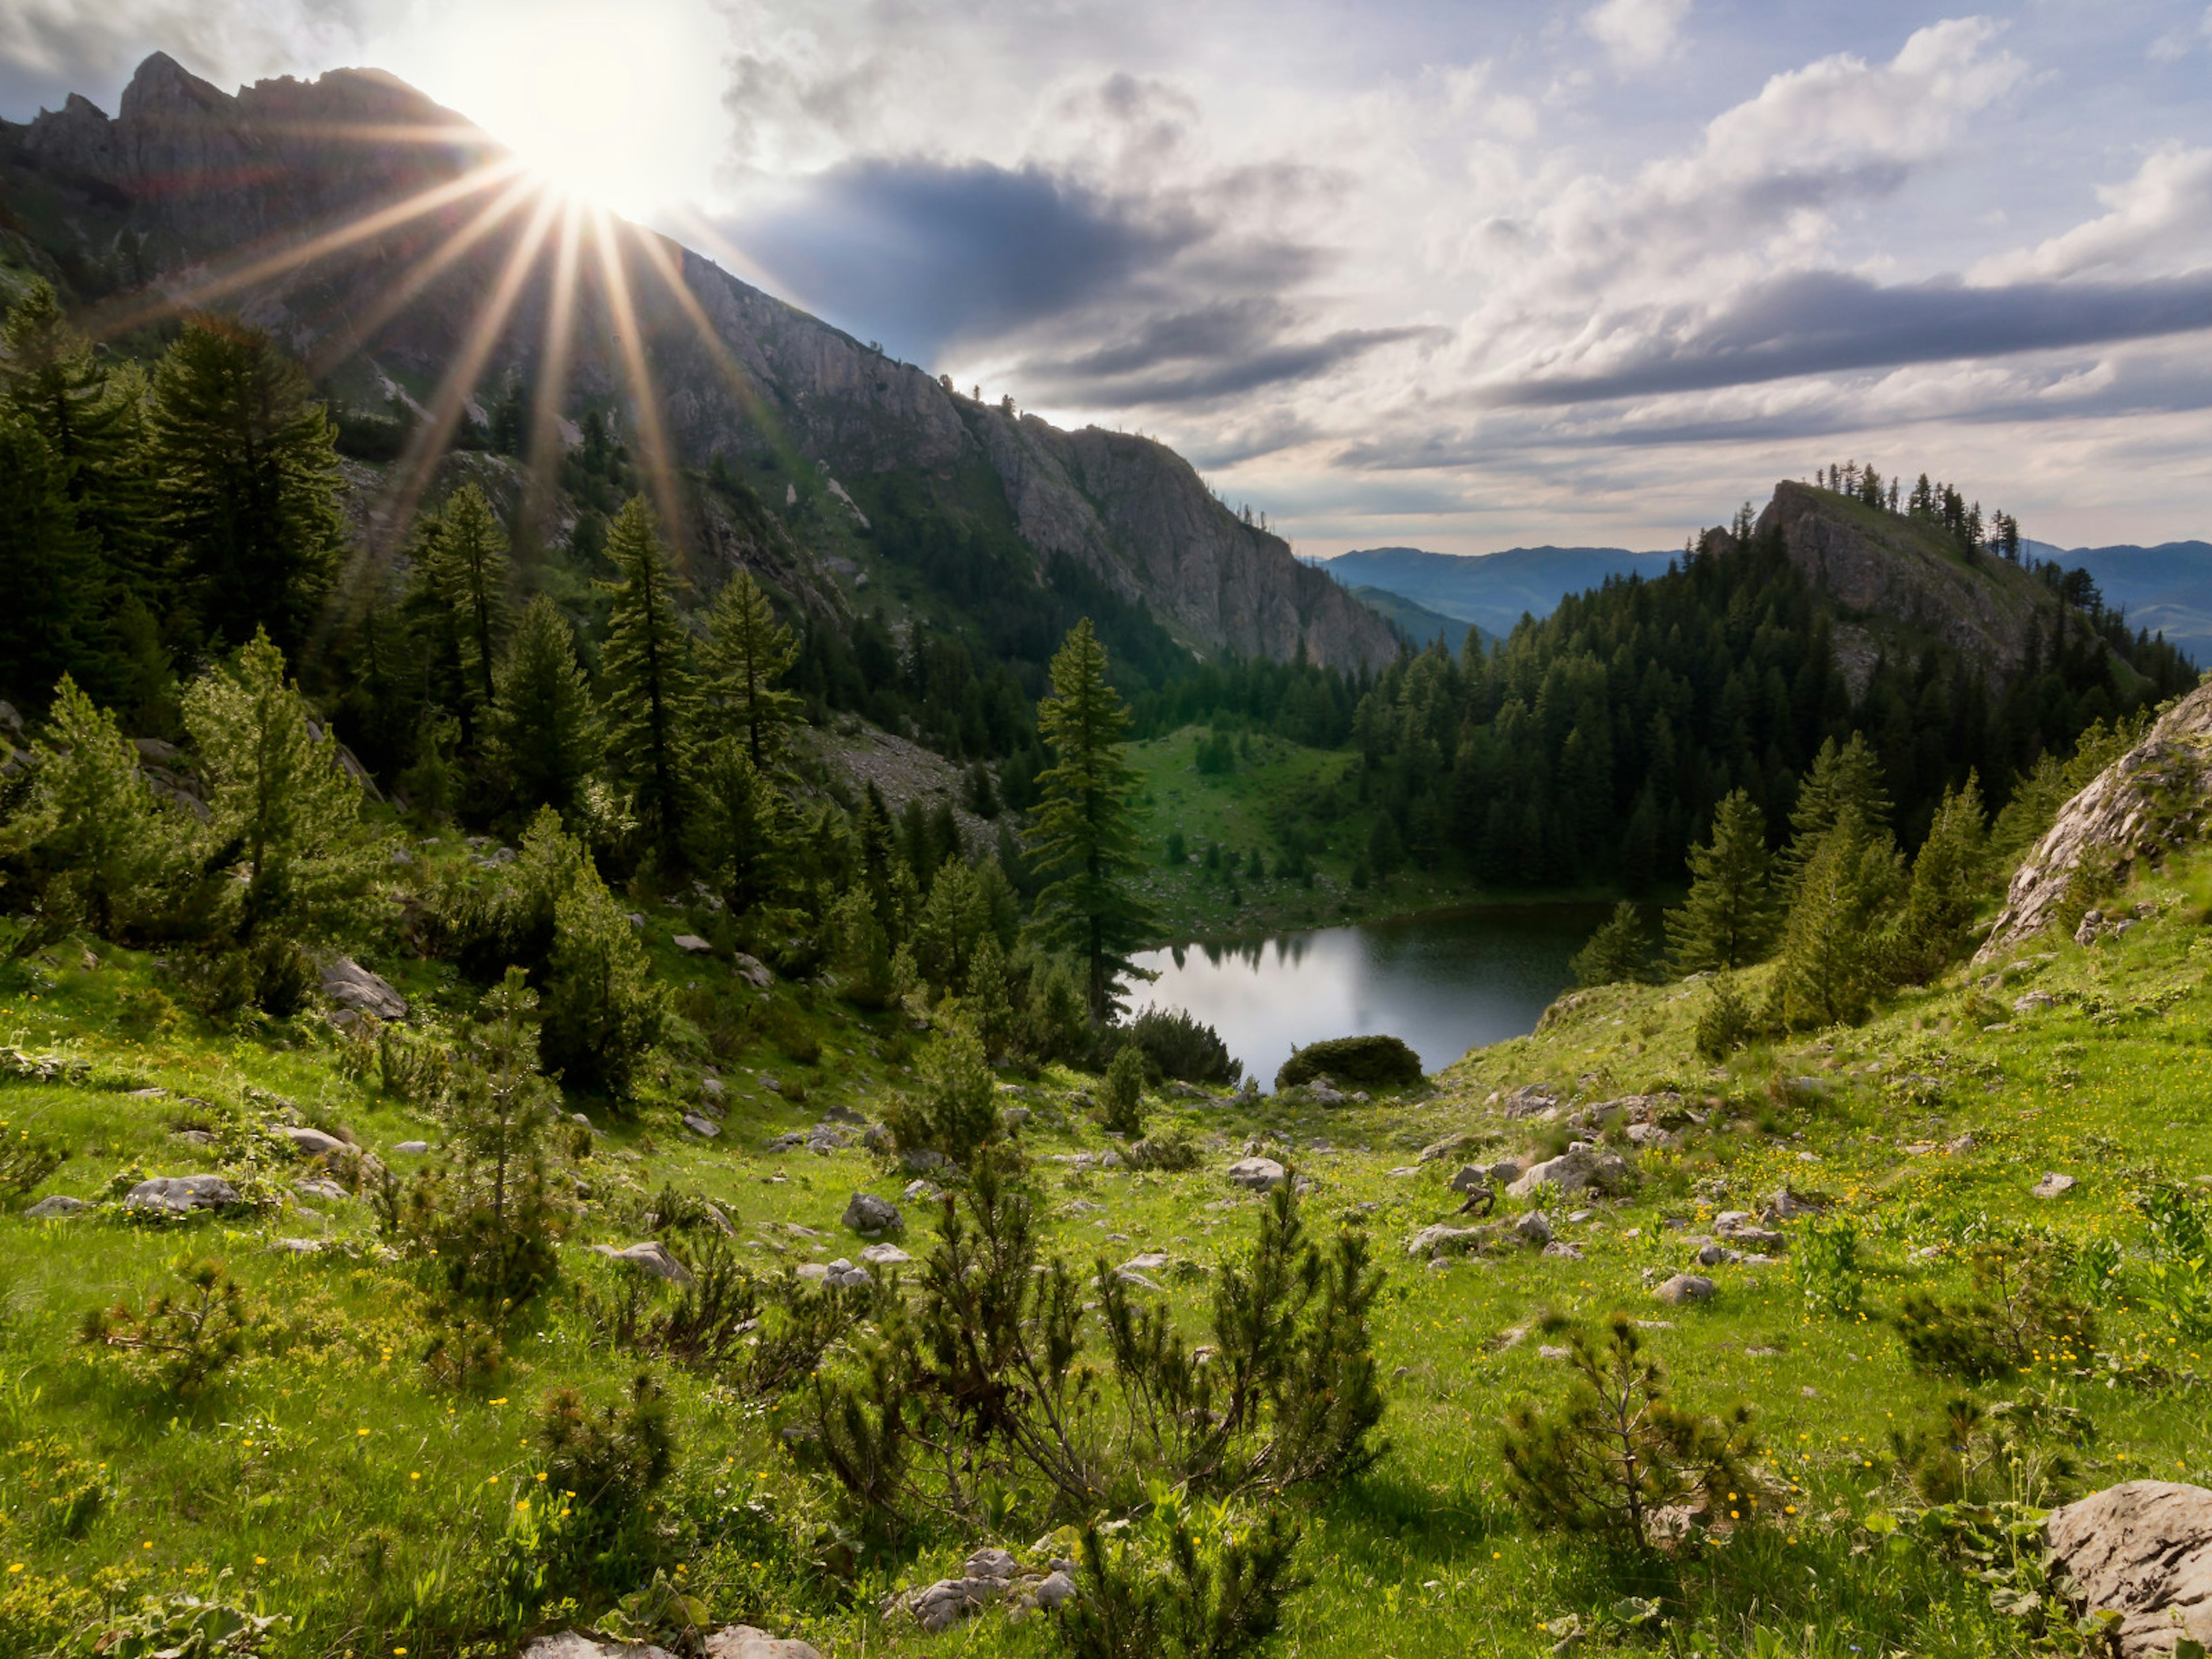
(1211, 1592)
(1123, 1104)
(182, 1340)
(2023, 1311)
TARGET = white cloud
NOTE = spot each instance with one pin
(2160, 220)
(1638, 33)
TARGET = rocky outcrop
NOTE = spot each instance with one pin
(2142, 1550)
(225, 191)
(1898, 580)
(2156, 796)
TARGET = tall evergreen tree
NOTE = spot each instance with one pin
(469, 567)
(738, 834)
(1831, 961)
(1843, 779)
(102, 836)
(1085, 836)
(1728, 919)
(246, 471)
(49, 572)
(1950, 878)
(748, 653)
(1618, 951)
(648, 683)
(544, 738)
(290, 865)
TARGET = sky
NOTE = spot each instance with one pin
(1460, 277)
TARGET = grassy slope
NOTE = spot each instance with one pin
(1242, 811)
(369, 1538)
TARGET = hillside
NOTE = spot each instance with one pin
(1421, 625)
(2166, 589)
(1492, 590)
(385, 241)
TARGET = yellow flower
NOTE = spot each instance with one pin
(260, 1560)
(17, 1567)
(415, 1474)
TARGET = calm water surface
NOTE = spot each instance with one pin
(1444, 983)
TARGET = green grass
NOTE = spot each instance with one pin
(343, 1487)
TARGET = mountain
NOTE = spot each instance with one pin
(399, 252)
(1419, 624)
(2166, 589)
(1491, 589)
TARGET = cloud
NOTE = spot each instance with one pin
(927, 253)
(2163, 213)
(49, 48)
(1636, 33)
(1828, 322)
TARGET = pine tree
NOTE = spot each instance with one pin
(544, 737)
(1617, 951)
(1830, 960)
(468, 569)
(103, 835)
(291, 863)
(747, 653)
(737, 827)
(647, 674)
(1950, 876)
(1841, 779)
(49, 572)
(246, 472)
(1728, 919)
(1085, 836)
(603, 1007)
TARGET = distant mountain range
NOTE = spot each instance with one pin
(1418, 622)
(2166, 589)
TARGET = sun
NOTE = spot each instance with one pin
(618, 104)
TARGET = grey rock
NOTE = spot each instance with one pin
(349, 986)
(1441, 1241)
(1547, 1351)
(1686, 1287)
(1507, 1170)
(181, 1195)
(575, 1644)
(297, 1246)
(989, 1562)
(1056, 1589)
(1449, 1145)
(413, 1148)
(55, 1205)
(921, 1160)
(711, 1090)
(1715, 1255)
(946, 1602)
(705, 1127)
(1578, 1169)
(1013, 1117)
(1529, 1100)
(1471, 1176)
(1561, 1248)
(1651, 1137)
(2053, 1185)
(2033, 1002)
(843, 1275)
(323, 1192)
(691, 943)
(918, 1191)
(744, 1642)
(866, 1213)
(1259, 1174)
(1151, 1261)
(885, 1255)
(752, 970)
(1783, 1205)
(2143, 1549)
(314, 1142)
(196, 1137)
(651, 1256)
(1534, 1228)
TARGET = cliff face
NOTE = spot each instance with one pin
(2156, 797)
(1894, 579)
(217, 190)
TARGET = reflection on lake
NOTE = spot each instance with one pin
(1443, 983)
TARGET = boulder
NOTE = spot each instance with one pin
(1649, 1137)
(1686, 1287)
(1534, 1228)
(1560, 1247)
(1449, 1145)
(1257, 1173)
(1057, 1588)
(182, 1194)
(1507, 1170)
(2142, 1549)
(1151, 1261)
(322, 1192)
(1578, 1169)
(843, 1275)
(944, 1604)
(1442, 1240)
(351, 987)
(651, 1256)
(1783, 1205)
(884, 1255)
(575, 1644)
(705, 1127)
(60, 1204)
(1529, 1100)
(1471, 1177)
(744, 1642)
(2053, 1185)
(752, 970)
(989, 1562)
(412, 1147)
(314, 1142)
(691, 943)
(866, 1213)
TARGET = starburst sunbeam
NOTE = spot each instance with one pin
(622, 320)
(546, 446)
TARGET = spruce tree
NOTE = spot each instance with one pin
(737, 827)
(291, 866)
(1085, 836)
(747, 653)
(1832, 954)
(1728, 919)
(246, 473)
(103, 838)
(648, 679)
(544, 738)
(1617, 951)
(602, 1009)
(49, 572)
(1846, 778)
(1950, 879)
(470, 569)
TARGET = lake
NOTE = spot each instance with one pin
(1443, 983)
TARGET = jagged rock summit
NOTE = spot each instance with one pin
(203, 197)
(2156, 797)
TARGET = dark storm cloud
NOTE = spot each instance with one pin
(922, 253)
(1825, 322)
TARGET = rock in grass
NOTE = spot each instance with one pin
(1578, 1169)
(1686, 1287)
(885, 1255)
(1443, 1240)
(866, 1213)
(1560, 1247)
(1471, 1176)
(314, 1142)
(414, 1148)
(838, 1275)
(1449, 1145)
(1056, 1589)
(322, 1192)
(575, 1644)
(744, 1642)
(1257, 1173)
(1534, 1228)
(691, 943)
(2143, 1549)
(652, 1256)
(705, 1128)
(182, 1194)
(2053, 1185)
(59, 1205)
(352, 988)
(752, 970)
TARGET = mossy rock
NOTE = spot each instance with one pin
(1373, 1062)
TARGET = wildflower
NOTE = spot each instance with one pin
(16, 1567)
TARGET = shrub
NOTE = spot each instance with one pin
(184, 1340)
(1175, 1151)
(2014, 1451)
(1182, 1047)
(1617, 1449)
(612, 1460)
(1214, 1592)
(2175, 1283)
(27, 1159)
(1826, 1264)
(1373, 1062)
(2023, 1308)
(1123, 1104)
(1724, 1021)
(957, 1111)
